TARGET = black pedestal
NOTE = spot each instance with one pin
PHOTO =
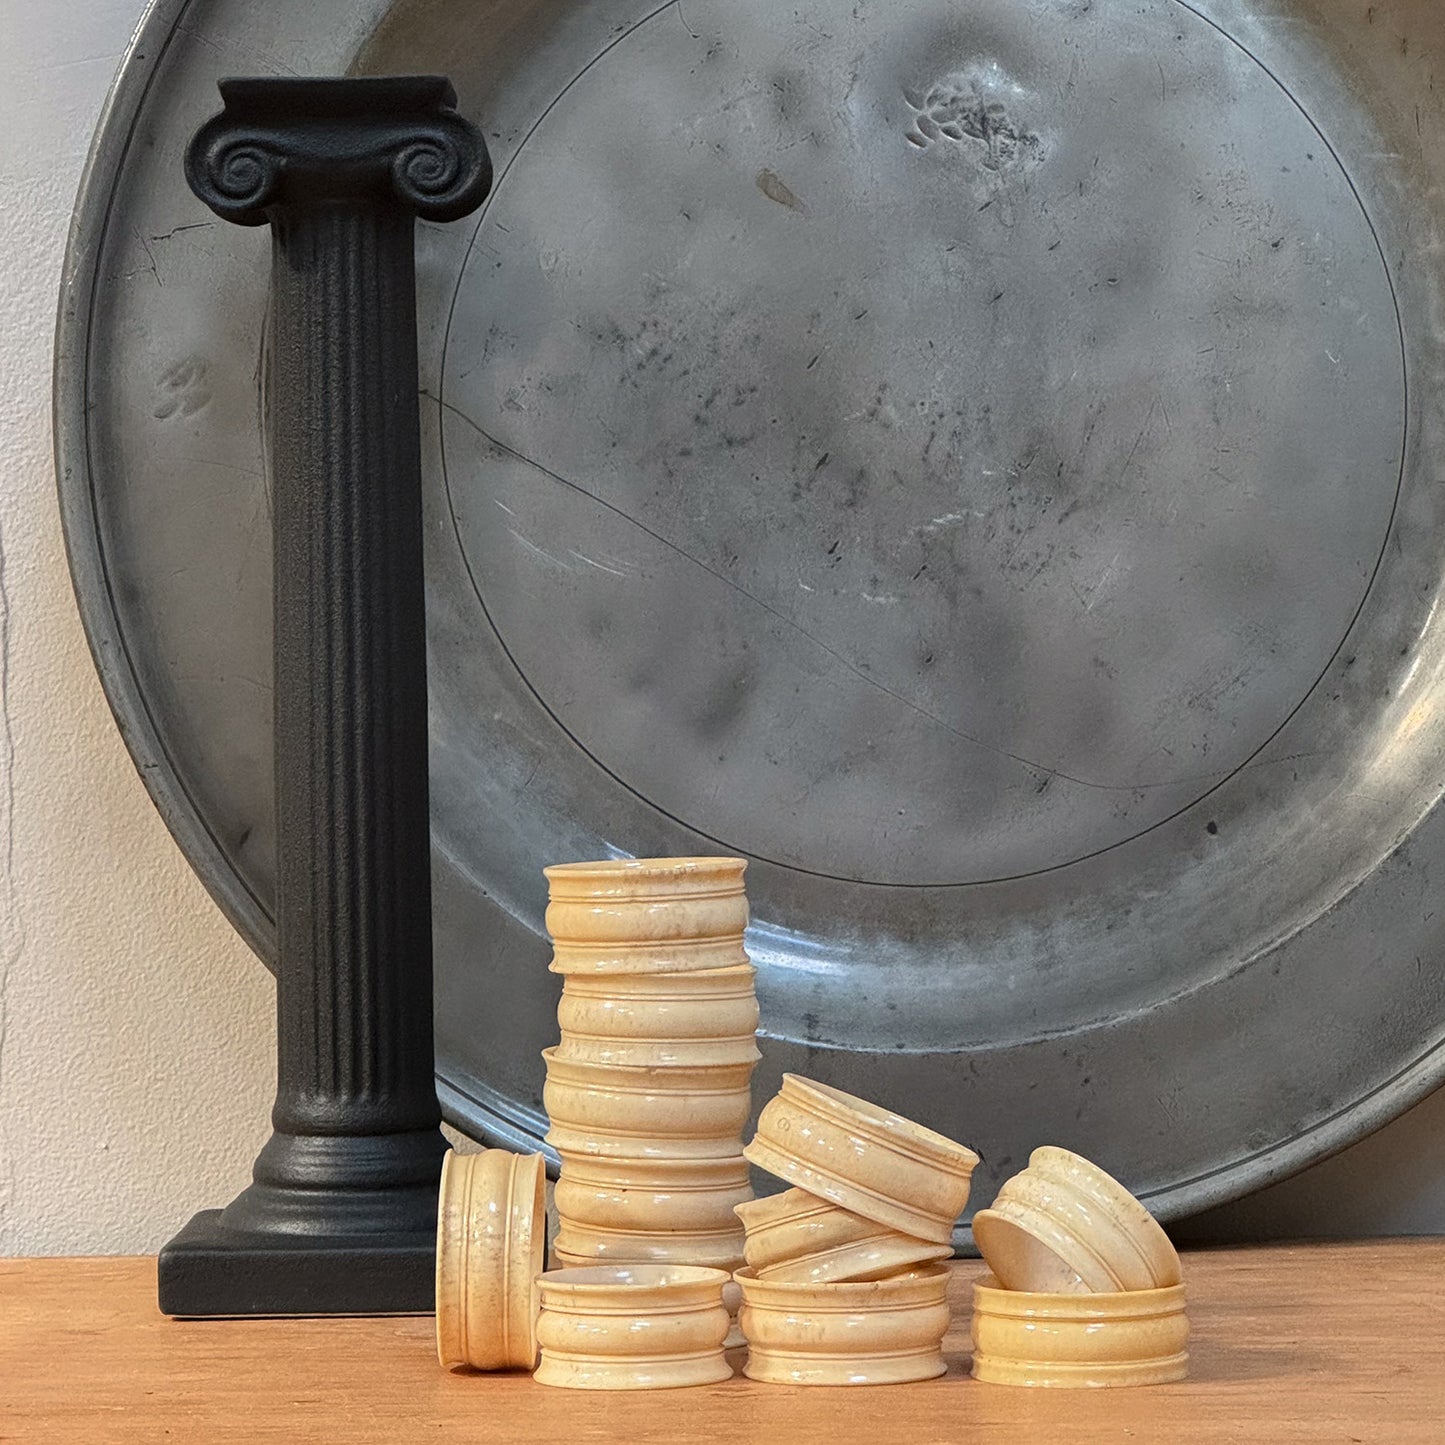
(341, 1217)
(210, 1270)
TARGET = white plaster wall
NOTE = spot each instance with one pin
(135, 1070)
(135, 1028)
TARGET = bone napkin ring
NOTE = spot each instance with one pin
(879, 1332)
(491, 1246)
(1065, 1226)
(864, 1158)
(1128, 1337)
(647, 915)
(796, 1238)
(633, 1327)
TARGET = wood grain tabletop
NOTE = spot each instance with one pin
(1316, 1343)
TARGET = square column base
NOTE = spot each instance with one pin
(208, 1270)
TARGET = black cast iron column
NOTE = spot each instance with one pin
(341, 1216)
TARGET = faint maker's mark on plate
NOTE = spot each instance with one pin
(972, 109)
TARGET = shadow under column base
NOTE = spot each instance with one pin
(211, 1270)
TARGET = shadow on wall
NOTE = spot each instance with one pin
(1391, 1183)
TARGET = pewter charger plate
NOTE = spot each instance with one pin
(976, 458)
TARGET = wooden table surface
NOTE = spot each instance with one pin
(1317, 1343)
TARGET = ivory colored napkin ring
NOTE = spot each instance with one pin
(1132, 1337)
(584, 1140)
(689, 1103)
(653, 1194)
(864, 1158)
(632, 1327)
(795, 1237)
(880, 1256)
(715, 1248)
(1065, 1226)
(491, 1246)
(1148, 1257)
(660, 1053)
(647, 915)
(704, 1017)
(1028, 1249)
(882, 1332)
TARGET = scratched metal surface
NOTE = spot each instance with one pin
(973, 458)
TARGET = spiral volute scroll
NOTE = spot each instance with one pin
(236, 173)
(443, 172)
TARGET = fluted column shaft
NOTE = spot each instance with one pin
(353, 881)
(356, 1105)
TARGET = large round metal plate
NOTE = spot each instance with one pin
(973, 457)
